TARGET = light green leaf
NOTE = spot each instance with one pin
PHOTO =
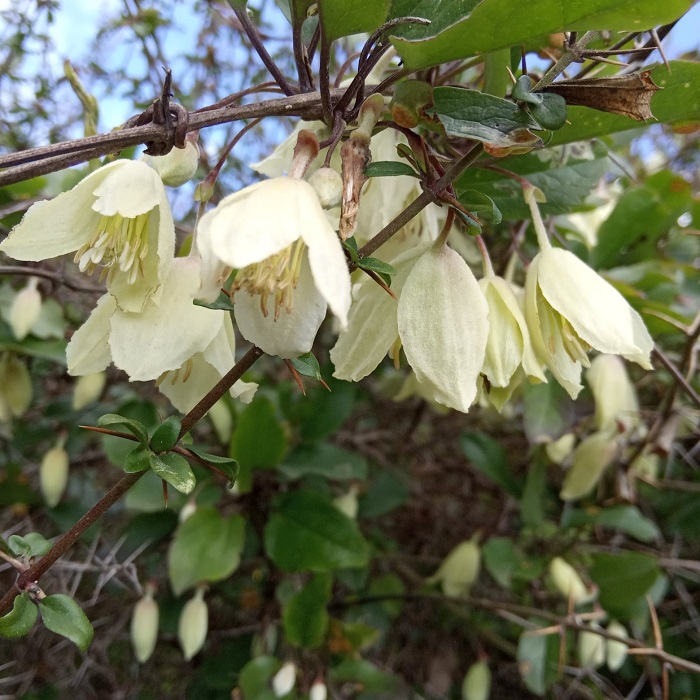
(174, 469)
(62, 615)
(136, 428)
(628, 519)
(307, 365)
(32, 544)
(206, 547)
(342, 18)
(500, 559)
(255, 678)
(20, 620)
(305, 616)
(537, 660)
(307, 533)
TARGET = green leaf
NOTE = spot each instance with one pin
(174, 469)
(259, 441)
(628, 519)
(206, 547)
(549, 113)
(329, 461)
(623, 578)
(386, 493)
(489, 457)
(475, 115)
(342, 18)
(350, 244)
(138, 460)
(30, 545)
(221, 303)
(469, 27)
(500, 559)
(481, 204)
(366, 674)
(62, 615)
(677, 103)
(532, 503)
(20, 620)
(136, 428)
(307, 365)
(165, 436)
(307, 533)
(548, 413)
(255, 678)
(389, 168)
(537, 660)
(322, 412)
(378, 266)
(227, 465)
(305, 616)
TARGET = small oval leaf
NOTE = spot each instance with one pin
(174, 469)
(165, 436)
(62, 615)
(136, 428)
(20, 619)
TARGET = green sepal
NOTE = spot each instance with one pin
(165, 436)
(135, 427)
(20, 620)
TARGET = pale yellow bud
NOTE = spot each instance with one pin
(88, 389)
(177, 167)
(616, 651)
(347, 503)
(144, 627)
(591, 648)
(53, 475)
(329, 187)
(460, 569)
(15, 384)
(591, 458)
(25, 309)
(284, 680)
(567, 581)
(477, 682)
(222, 420)
(318, 691)
(560, 449)
(193, 625)
(616, 404)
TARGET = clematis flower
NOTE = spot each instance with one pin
(187, 348)
(289, 259)
(441, 319)
(117, 218)
(570, 309)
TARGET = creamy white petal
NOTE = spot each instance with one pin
(292, 334)
(613, 392)
(280, 160)
(88, 350)
(214, 272)
(598, 313)
(130, 188)
(443, 325)
(162, 338)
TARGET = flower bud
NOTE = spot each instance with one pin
(567, 581)
(616, 651)
(591, 458)
(144, 627)
(25, 309)
(15, 384)
(88, 389)
(591, 649)
(614, 394)
(53, 475)
(318, 690)
(329, 187)
(177, 167)
(646, 464)
(460, 569)
(347, 503)
(193, 625)
(477, 682)
(560, 449)
(284, 680)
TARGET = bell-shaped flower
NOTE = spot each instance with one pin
(441, 319)
(570, 309)
(509, 354)
(616, 404)
(179, 165)
(289, 259)
(117, 218)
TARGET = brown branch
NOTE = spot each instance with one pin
(47, 274)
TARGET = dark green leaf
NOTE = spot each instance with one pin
(20, 620)
(255, 678)
(474, 115)
(489, 457)
(138, 460)
(307, 533)
(136, 428)
(365, 673)
(259, 441)
(342, 18)
(227, 465)
(378, 266)
(166, 434)
(500, 559)
(549, 412)
(386, 493)
(174, 469)
(325, 460)
(481, 204)
(206, 547)
(350, 244)
(305, 617)
(628, 519)
(30, 545)
(389, 168)
(307, 365)
(221, 303)
(62, 615)
(323, 412)
(533, 500)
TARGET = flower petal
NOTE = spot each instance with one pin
(443, 324)
(129, 189)
(292, 334)
(88, 351)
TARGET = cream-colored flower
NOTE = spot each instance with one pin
(441, 319)
(25, 309)
(289, 259)
(616, 404)
(177, 167)
(570, 309)
(117, 218)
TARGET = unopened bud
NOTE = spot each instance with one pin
(567, 581)
(615, 397)
(591, 458)
(144, 627)
(560, 449)
(477, 682)
(88, 389)
(318, 691)
(591, 649)
(193, 624)
(284, 680)
(53, 475)
(329, 187)
(177, 167)
(347, 503)
(616, 651)
(25, 309)
(15, 384)
(460, 569)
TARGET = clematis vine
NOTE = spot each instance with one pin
(117, 219)
(290, 262)
(570, 310)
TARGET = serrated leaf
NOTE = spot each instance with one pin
(136, 428)
(138, 460)
(62, 615)
(307, 533)
(307, 365)
(342, 18)
(30, 545)
(166, 434)
(174, 469)
(20, 620)
(389, 168)
(305, 616)
(206, 547)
